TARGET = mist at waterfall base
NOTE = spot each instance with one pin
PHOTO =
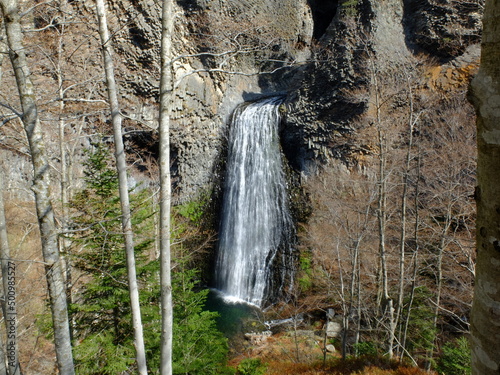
(254, 263)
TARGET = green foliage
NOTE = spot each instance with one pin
(193, 210)
(421, 330)
(366, 348)
(101, 355)
(350, 7)
(251, 366)
(305, 277)
(99, 175)
(44, 324)
(455, 358)
(102, 315)
(199, 348)
(305, 282)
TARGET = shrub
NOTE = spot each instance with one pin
(455, 358)
(252, 366)
(366, 349)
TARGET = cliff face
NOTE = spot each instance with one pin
(317, 53)
(239, 40)
(444, 28)
(322, 106)
(230, 47)
(328, 47)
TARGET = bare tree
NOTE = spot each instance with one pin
(41, 184)
(386, 301)
(166, 87)
(11, 366)
(123, 187)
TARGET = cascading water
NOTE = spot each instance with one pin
(254, 260)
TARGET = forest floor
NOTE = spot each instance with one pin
(301, 353)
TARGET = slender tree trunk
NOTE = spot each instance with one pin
(41, 183)
(345, 307)
(485, 316)
(355, 282)
(386, 300)
(439, 285)
(121, 167)
(11, 366)
(358, 308)
(415, 262)
(64, 180)
(166, 88)
(404, 196)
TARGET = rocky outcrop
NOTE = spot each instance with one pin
(444, 28)
(319, 53)
(335, 88)
(231, 47)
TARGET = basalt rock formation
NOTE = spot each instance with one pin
(316, 53)
(325, 51)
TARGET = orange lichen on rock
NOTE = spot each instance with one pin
(447, 78)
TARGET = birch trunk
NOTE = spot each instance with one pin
(121, 167)
(386, 301)
(404, 196)
(485, 316)
(166, 88)
(41, 183)
(415, 261)
(11, 366)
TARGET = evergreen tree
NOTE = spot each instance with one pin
(102, 313)
(422, 331)
(455, 358)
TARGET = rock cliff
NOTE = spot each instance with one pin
(322, 51)
(317, 53)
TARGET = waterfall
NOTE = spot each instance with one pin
(254, 260)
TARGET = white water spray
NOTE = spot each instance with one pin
(254, 253)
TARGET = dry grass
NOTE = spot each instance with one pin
(283, 355)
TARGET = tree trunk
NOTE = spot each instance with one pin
(11, 366)
(416, 240)
(64, 180)
(387, 302)
(121, 167)
(485, 93)
(41, 183)
(404, 195)
(165, 188)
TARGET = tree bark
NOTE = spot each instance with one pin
(387, 303)
(11, 366)
(41, 183)
(121, 167)
(485, 94)
(166, 88)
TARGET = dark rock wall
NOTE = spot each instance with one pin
(444, 28)
(321, 107)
